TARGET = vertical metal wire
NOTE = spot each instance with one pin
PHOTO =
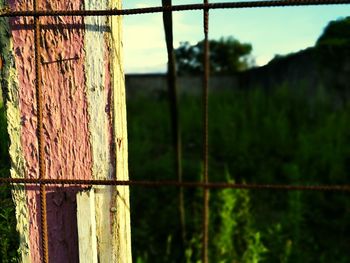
(205, 134)
(40, 135)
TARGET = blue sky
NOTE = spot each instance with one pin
(271, 31)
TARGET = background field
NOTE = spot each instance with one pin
(280, 136)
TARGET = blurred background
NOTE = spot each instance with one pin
(279, 113)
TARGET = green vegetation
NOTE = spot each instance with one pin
(282, 136)
(8, 234)
(255, 137)
(227, 56)
(333, 54)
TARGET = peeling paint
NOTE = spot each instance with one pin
(96, 89)
(113, 229)
(97, 92)
(84, 116)
(67, 145)
(9, 83)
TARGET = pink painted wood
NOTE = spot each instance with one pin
(67, 146)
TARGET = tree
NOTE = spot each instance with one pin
(333, 53)
(336, 34)
(227, 55)
(334, 44)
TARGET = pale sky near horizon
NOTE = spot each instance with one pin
(271, 31)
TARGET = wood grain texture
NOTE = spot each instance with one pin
(87, 226)
(121, 221)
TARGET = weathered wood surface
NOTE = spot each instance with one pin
(84, 117)
(87, 226)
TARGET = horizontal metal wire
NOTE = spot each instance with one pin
(118, 12)
(212, 185)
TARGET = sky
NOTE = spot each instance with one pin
(271, 31)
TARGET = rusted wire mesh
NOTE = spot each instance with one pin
(205, 184)
(174, 8)
(184, 184)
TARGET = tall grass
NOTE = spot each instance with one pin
(282, 136)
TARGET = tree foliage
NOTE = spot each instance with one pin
(333, 53)
(8, 235)
(333, 46)
(336, 34)
(227, 55)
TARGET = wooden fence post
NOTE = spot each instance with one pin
(84, 123)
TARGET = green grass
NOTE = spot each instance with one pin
(280, 137)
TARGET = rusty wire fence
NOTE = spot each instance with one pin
(206, 185)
